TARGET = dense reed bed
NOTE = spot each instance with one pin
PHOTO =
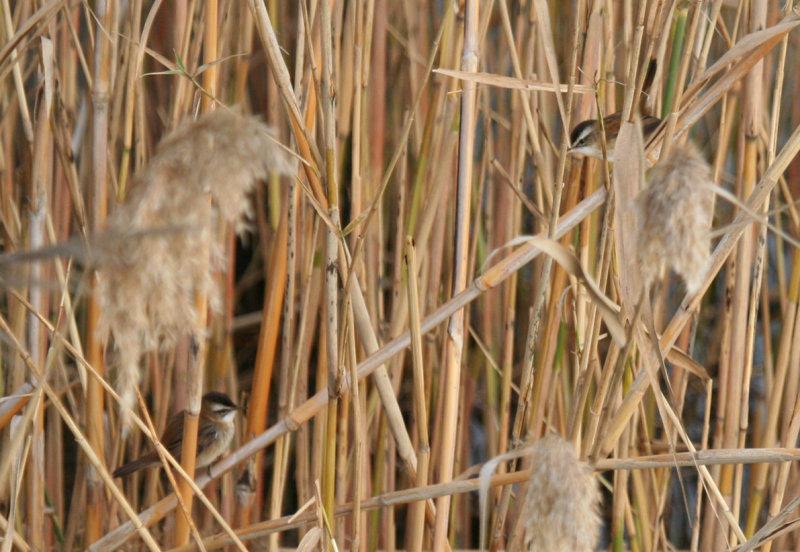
(359, 219)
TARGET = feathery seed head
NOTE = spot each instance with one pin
(561, 504)
(160, 247)
(674, 216)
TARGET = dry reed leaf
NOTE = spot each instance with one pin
(561, 504)
(311, 540)
(570, 263)
(748, 44)
(551, 57)
(674, 216)
(159, 249)
(628, 181)
(39, 19)
(684, 361)
(748, 51)
(512, 83)
(484, 482)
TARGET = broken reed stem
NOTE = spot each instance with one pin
(417, 512)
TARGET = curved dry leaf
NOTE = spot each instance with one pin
(570, 263)
(311, 540)
(485, 478)
(682, 360)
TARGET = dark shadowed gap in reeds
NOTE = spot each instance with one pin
(385, 315)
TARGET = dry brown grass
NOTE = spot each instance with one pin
(433, 130)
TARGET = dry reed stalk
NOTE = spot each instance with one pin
(133, 87)
(188, 51)
(416, 521)
(455, 330)
(300, 124)
(39, 531)
(11, 537)
(290, 355)
(462, 486)
(750, 264)
(336, 374)
(296, 369)
(153, 261)
(194, 376)
(524, 127)
(27, 125)
(269, 341)
(782, 365)
(98, 205)
(359, 428)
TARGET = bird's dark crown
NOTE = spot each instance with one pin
(581, 132)
(217, 398)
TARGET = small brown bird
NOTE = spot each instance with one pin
(586, 138)
(214, 434)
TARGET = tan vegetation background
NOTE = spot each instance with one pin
(390, 248)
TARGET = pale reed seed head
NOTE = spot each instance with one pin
(158, 250)
(674, 216)
(562, 500)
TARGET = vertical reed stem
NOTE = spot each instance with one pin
(98, 202)
(199, 345)
(455, 329)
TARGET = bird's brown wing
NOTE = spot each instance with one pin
(172, 437)
(206, 433)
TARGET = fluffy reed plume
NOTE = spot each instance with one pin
(561, 505)
(674, 216)
(160, 248)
